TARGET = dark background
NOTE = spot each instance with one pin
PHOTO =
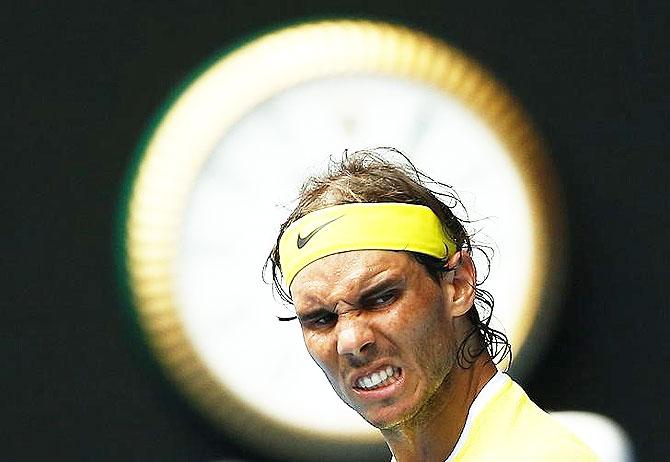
(80, 83)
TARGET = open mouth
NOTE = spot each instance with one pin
(378, 379)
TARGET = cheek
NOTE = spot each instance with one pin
(421, 315)
(421, 326)
(318, 349)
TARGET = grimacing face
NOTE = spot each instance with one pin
(381, 329)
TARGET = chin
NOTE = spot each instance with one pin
(386, 424)
(412, 414)
(389, 417)
(379, 422)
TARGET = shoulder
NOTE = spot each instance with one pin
(514, 428)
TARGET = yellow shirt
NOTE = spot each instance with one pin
(503, 424)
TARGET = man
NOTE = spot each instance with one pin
(381, 276)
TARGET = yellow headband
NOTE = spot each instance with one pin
(378, 226)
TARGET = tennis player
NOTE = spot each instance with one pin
(379, 270)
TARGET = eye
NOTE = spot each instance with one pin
(381, 299)
(325, 320)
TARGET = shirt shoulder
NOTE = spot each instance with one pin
(512, 427)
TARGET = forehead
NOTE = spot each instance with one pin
(346, 273)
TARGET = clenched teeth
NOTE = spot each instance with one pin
(378, 378)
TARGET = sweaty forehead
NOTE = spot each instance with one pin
(343, 275)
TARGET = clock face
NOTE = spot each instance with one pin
(221, 171)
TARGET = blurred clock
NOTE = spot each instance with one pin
(218, 172)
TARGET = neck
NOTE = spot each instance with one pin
(433, 433)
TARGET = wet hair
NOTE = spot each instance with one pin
(370, 176)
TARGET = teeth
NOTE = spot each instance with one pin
(378, 378)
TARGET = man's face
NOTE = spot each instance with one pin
(381, 330)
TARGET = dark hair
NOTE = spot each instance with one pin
(368, 176)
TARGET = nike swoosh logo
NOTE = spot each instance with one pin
(302, 241)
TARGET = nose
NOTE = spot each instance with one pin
(354, 336)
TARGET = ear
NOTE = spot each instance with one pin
(458, 286)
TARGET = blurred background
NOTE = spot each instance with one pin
(81, 85)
